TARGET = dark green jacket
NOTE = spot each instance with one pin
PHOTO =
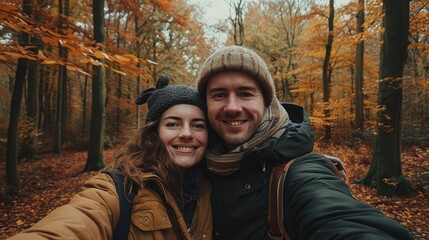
(318, 204)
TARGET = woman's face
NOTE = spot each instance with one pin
(183, 131)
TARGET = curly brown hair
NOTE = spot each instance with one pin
(146, 153)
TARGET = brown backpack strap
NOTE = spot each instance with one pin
(277, 230)
(338, 167)
(278, 175)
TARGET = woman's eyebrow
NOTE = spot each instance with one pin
(198, 119)
(172, 117)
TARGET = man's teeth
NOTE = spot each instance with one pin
(235, 123)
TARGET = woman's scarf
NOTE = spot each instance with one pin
(190, 193)
(223, 162)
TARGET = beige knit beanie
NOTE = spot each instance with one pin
(237, 58)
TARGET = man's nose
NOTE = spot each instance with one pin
(232, 105)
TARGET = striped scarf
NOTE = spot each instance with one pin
(223, 162)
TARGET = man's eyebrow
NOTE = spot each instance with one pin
(251, 88)
(216, 89)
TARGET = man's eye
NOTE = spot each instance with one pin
(245, 94)
(219, 95)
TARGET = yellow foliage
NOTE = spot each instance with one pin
(119, 72)
(132, 57)
(14, 54)
(49, 62)
(121, 59)
(41, 55)
(85, 60)
(71, 68)
(74, 52)
(83, 72)
(99, 54)
(95, 62)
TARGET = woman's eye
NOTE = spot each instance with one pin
(171, 124)
(200, 126)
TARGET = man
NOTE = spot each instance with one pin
(254, 133)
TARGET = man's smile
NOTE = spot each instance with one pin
(234, 123)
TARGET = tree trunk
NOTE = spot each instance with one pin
(359, 113)
(58, 112)
(108, 88)
(12, 175)
(154, 58)
(387, 173)
(327, 71)
(138, 76)
(61, 76)
(84, 102)
(237, 22)
(65, 109)
(95, 159)
(29, 145)
(119, 80)
(65, 97)
(118, 110)
(47, 101)
(41, 96)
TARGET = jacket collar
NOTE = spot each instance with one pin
(297, 140)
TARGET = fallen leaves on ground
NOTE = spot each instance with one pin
(412, 212)
(53, 179)
(47, 183)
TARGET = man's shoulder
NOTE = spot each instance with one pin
(311, 160)
(311, 156)
(307, 157)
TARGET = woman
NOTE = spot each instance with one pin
(159, 168)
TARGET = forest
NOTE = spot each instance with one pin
(70, 72)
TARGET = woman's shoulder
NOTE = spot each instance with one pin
(101, 180)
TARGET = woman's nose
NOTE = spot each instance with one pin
(185, 132)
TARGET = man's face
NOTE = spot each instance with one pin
(235, 106)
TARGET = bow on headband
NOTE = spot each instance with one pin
(143, 96)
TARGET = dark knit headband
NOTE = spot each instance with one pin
(162, 97)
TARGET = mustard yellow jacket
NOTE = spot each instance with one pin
(94, 212)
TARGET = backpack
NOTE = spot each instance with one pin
(125, 206)
(278, 175)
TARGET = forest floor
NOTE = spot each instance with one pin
(53, 179)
